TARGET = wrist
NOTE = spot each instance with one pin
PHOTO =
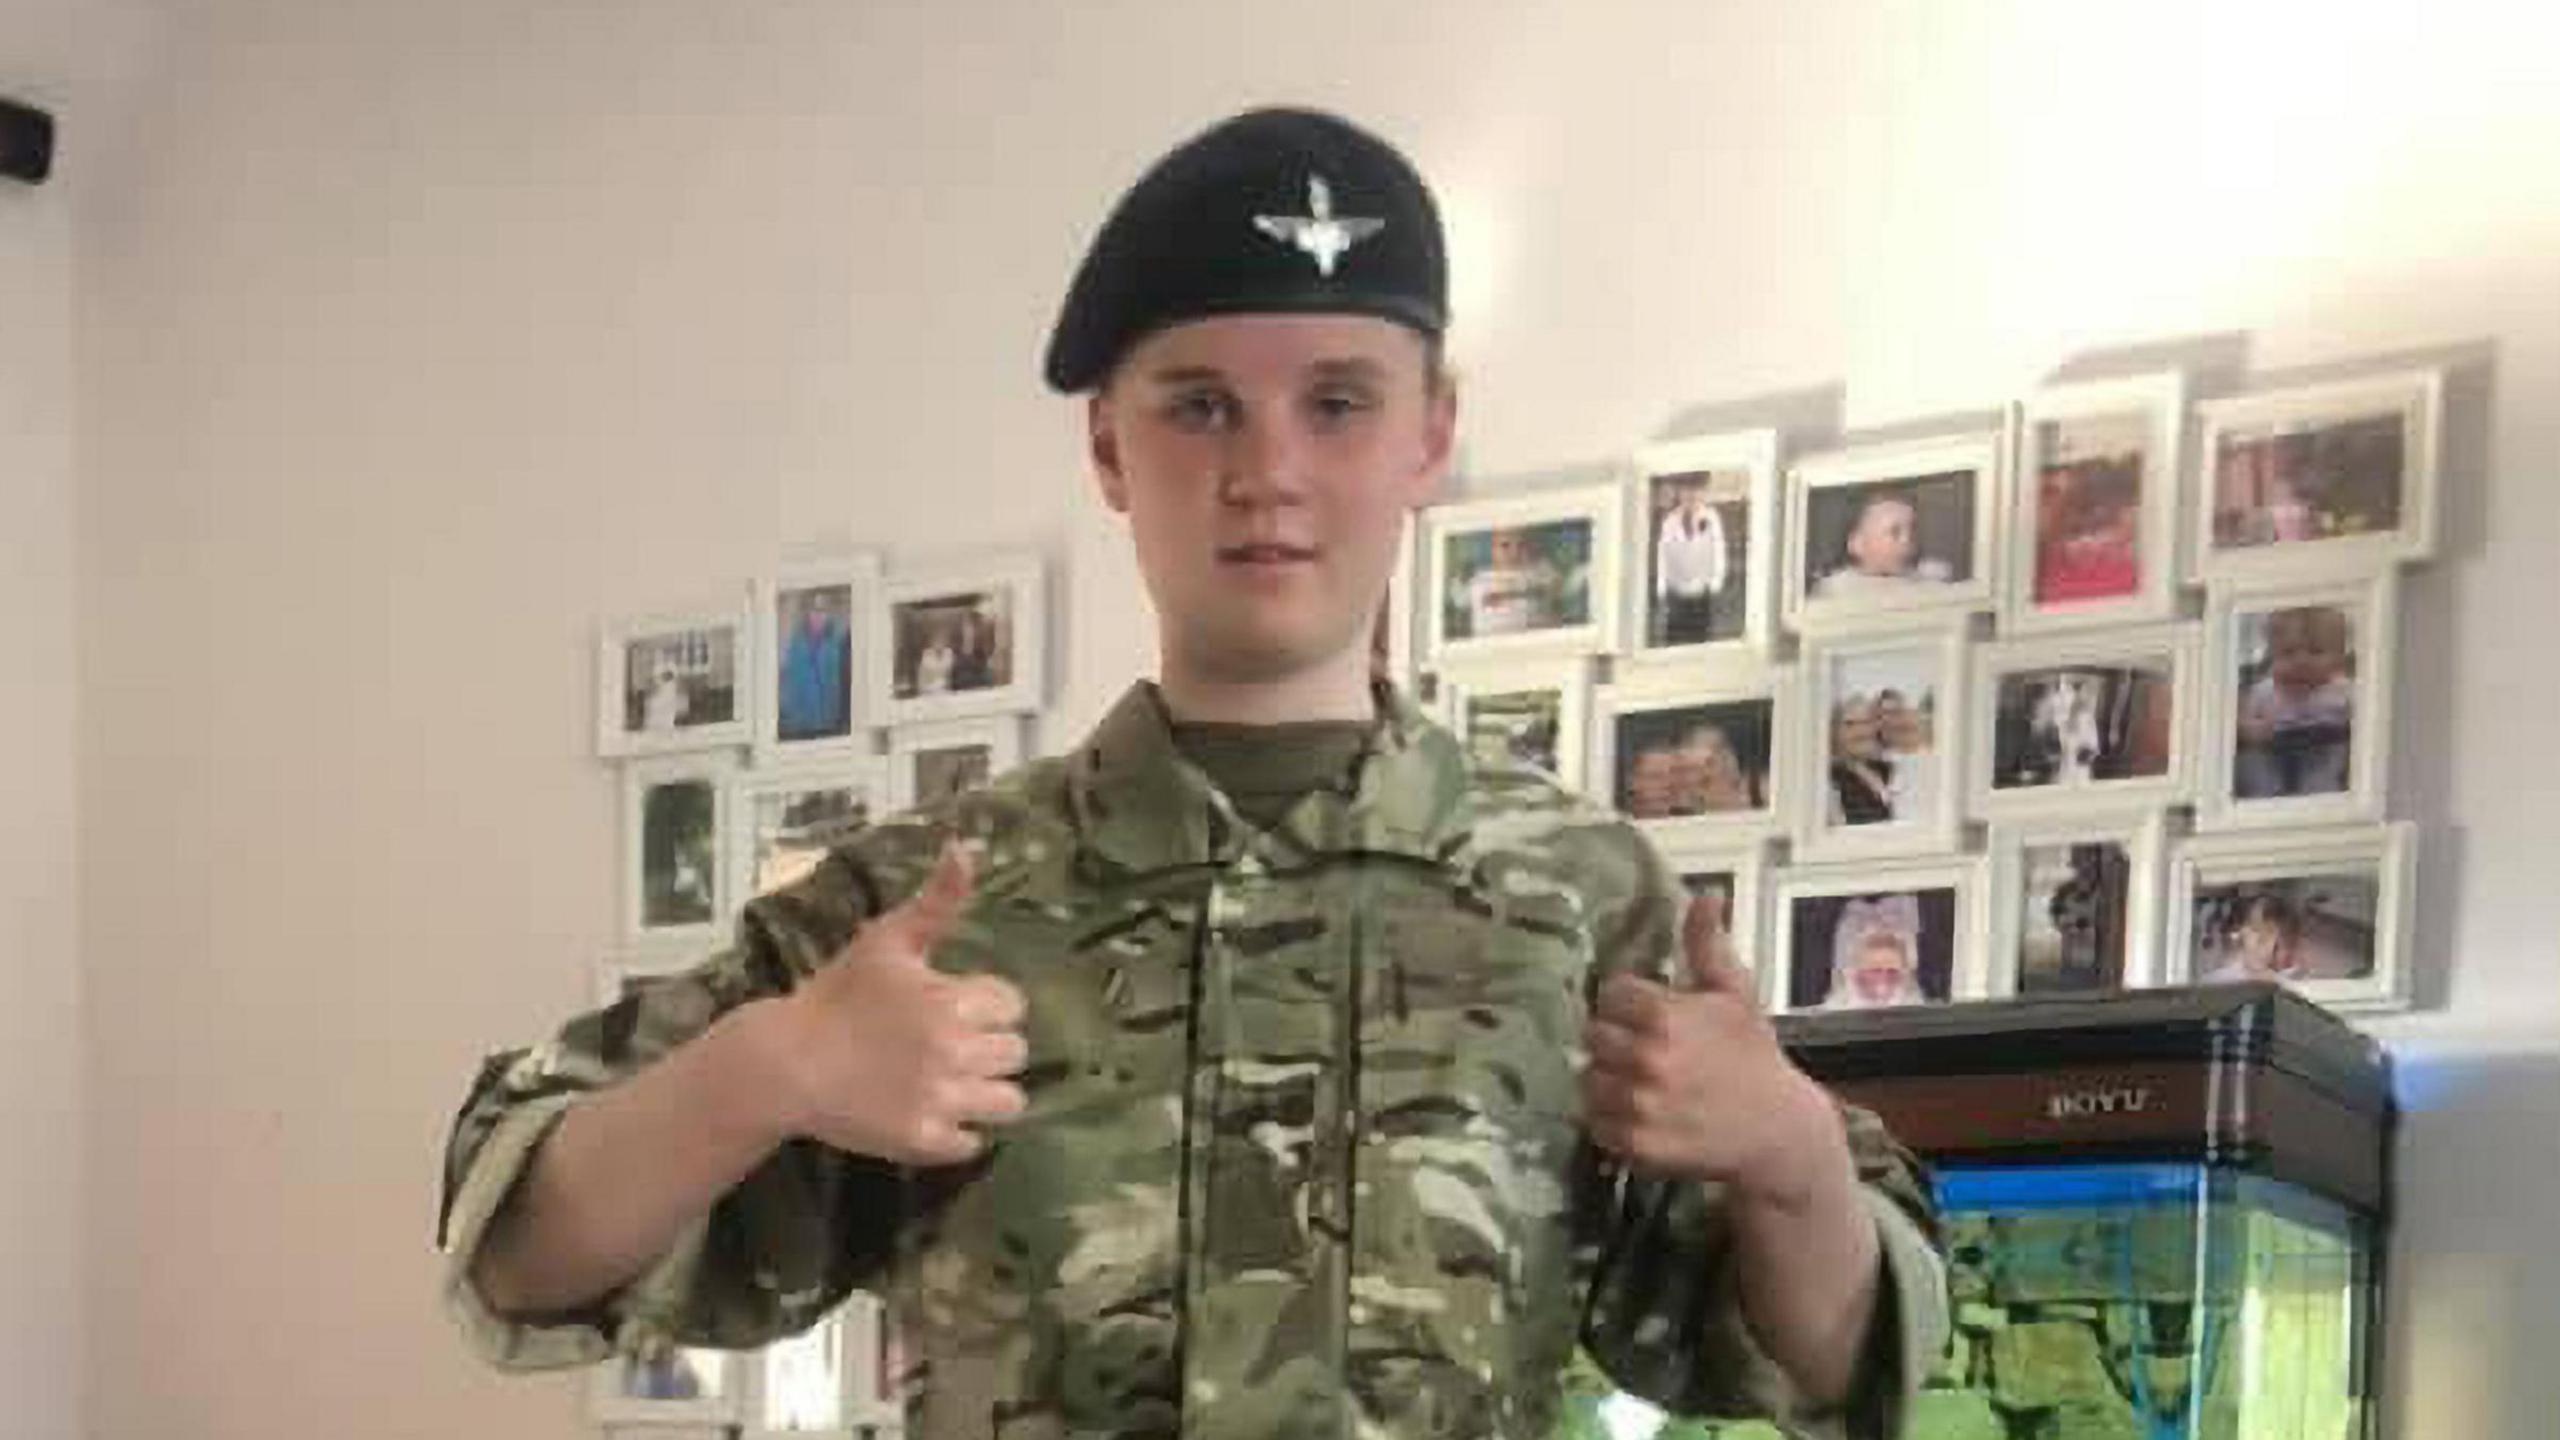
(1809, 1165)
(749, 1070)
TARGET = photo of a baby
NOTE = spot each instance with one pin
(1872, 951)
(1882, 757)
(1880, 540)
(1516, 580)
(2283, 483)
(2076, 725)
(1695, 579)
(2073, 926)
(1686, 760)
(2313, 927)
(2087, 502)
(1515, 727)
(2294, 728)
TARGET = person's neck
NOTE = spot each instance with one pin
(1337, 689)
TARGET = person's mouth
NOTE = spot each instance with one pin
(1268, 555)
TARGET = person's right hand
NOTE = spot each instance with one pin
(880, 1054)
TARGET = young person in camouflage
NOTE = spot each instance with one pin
(1265, 1065)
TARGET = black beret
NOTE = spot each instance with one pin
(1274, 210)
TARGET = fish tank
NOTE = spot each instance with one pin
(2162, 1216)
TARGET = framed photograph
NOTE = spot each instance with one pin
(1866, 937)
(1532, 574)
(808, 1384)
(960, 640)
(2075, 905)
(1698, 763)
(675, 885)
(665, 1384)
(1705, 517)
(2320, 479)
(814, 628)
(2324, 911)
(1886, 534)
(2093, 528)
(674, 682)
(1528, 712)
(783, 822)
(2297, 726)
(1731, 877)
(2082, 720)
(1881, 770)
(931, 763)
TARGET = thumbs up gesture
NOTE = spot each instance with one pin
(880, 1054)
(1692, 1082)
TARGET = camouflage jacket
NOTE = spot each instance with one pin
(1301, 1157)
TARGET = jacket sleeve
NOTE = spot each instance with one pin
(1663, 1315)
(773, 1256)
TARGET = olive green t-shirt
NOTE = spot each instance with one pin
(1266, 769)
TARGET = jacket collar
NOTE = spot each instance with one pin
(1141, 806)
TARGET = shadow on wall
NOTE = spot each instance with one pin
(2474, 1275)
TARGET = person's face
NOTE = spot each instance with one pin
(2305, 650)
(1898, 725)
(1882, 542)
(1853, 729)
(1653, 783)
(1510, 549)
(2056, 493)
(1266, 464)
(1881, 970)
(1718, 767)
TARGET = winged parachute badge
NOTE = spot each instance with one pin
(1324, 235)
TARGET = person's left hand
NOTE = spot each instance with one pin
(1693, 1083)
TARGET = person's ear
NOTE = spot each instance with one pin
(1102, 447)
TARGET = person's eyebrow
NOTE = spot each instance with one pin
(1357, 367)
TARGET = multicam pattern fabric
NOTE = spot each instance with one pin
(1301, 1157)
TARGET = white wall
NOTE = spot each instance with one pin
(417, 337)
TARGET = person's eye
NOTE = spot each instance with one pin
(1340, 403)
(1201, 410)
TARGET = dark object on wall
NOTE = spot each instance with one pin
(26, 142)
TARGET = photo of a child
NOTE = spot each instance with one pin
(2293, 733)
(680, 681)
(1867, 952)
(1515, 580)
(1882, 759)
(2088, 507)
(2074, 725)
(1684, 760)
(1700, 523)
(2284, 483)
(2313, 927)
(1881, 539)
(2073, 924)
(1515, 727)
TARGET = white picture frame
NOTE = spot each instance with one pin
(1954, 489)
(1735, 474)
(675, 882)
(960, 638)
(1747, 912)
(2285, 783)
(2369, 427)
(615, 976)
(769, 847)
(2231, 871)
(1806, 899)
(676, 681)
(2068, 706)
(2069, 524)
(1634, 725)
(810, 1384)
(912, 749)
(715, 1374)
(1882, 667)
(1567, 744)
(812, 687)
(2021, 866)
(1566, 601)
(883, 1371)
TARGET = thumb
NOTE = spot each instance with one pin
(1706, 940)
(928, 915)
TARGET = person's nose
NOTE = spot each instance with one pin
(1268, 463)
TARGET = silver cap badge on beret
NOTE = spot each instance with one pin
(1324, 235)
